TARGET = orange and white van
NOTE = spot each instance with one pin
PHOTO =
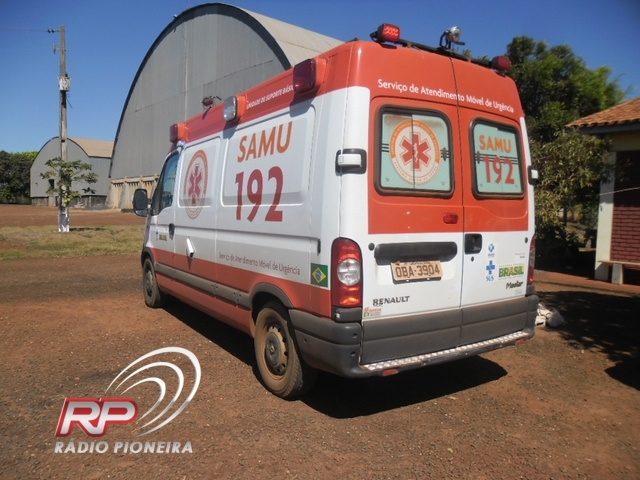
(366, 212)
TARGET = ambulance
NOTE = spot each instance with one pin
(366, 212)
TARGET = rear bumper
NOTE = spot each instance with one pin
(354, 350)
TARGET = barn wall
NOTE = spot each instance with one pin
(211, 50)
(207, 53)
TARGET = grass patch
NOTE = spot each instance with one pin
(47, 242)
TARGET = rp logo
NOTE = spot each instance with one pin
(94, 415)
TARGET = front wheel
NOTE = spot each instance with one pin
(281, 368)
(153, 297)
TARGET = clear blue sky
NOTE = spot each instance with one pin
(108, 39)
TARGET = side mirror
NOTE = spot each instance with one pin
(141, 202)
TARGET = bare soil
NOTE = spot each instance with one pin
(564, 405)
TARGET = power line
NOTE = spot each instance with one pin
(26, 29)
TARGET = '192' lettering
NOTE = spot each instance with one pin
(494, 166)
(255, 185)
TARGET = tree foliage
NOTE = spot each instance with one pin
(67, 174)
(15, 171)
(571, 168)
(556, 87)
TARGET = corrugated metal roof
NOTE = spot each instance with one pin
(214, 50)
(297, 43)
(95, 148)
(624, 114)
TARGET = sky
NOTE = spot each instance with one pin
(108, 39)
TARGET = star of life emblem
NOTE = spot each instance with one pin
(195, 184)
(415, 152)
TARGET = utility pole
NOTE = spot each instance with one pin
(64, 84)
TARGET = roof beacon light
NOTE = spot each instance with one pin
(451, 36)
(307, 75)
(501, 63)
(233, 108)
(386, 33)
(178, 132)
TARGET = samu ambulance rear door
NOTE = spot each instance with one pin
(412, 261)
(497, 225)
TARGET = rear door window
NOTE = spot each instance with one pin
(497, 163)
(415, 153)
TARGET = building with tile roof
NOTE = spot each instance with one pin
(622, 118)
(618, 239)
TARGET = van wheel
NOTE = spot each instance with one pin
(153, 297)
(281, 368)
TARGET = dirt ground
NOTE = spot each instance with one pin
(564, 405)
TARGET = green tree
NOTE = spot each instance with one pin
(15, 170)
(68, 173)
(571, 169)
(556, 87)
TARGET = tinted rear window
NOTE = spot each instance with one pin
(415, 151)
(497, 162)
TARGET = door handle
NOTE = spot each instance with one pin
(472, 243)
(172, 229)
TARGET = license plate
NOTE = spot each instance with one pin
(413, 271)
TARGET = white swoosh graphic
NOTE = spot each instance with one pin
(161, 384)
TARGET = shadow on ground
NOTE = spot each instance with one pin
(606, 323)
(347, 398)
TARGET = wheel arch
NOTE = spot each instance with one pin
(264, 293)
(146, 253)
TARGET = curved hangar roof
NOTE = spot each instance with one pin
(213, 50)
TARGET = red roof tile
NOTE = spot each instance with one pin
(622, 114)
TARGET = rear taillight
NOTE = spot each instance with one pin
(532, 261)
(346, 273)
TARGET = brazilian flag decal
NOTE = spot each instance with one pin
(319, 275)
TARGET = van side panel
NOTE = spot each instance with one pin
(263, 205)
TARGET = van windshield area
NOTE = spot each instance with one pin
(415, 153)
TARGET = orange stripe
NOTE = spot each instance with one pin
(302, 296)
(233, 315)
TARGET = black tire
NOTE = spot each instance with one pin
(282, 370)
(153, 297)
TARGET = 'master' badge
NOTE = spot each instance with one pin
(194, 189)
(415, 152)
